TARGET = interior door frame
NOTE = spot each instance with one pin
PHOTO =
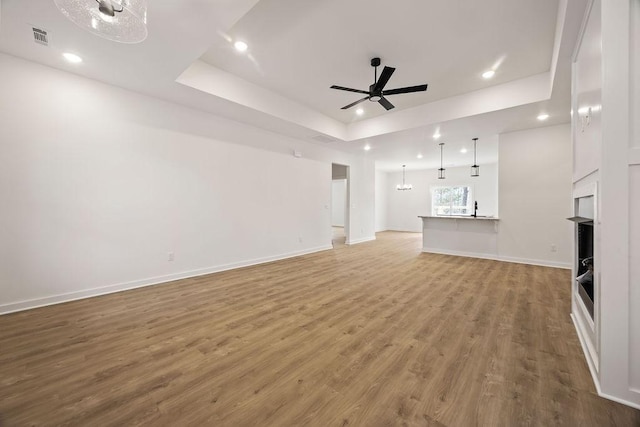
(347, 207)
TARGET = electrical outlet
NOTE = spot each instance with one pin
(554, 248)
(170, 256)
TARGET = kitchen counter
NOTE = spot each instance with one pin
(491, 218)
(460, 235)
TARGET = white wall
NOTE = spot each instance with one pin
(381, 195)
(634, 189)
(99, 184)
(338, 202)
(634, 274)
(620, 157)
(535, 196)
(361, 193)
(404, 207)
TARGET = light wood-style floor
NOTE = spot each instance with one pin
(376, 334)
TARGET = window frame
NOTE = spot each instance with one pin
(469, 207)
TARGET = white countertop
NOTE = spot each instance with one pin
(490, 218)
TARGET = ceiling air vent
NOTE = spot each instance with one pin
(323, 138)
(40, 36)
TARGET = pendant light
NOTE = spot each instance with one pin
(123, 21)
(404, 185)
(441, 170)
(475, 169)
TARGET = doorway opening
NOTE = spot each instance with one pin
(339, 204)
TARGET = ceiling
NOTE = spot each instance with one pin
(298, 48)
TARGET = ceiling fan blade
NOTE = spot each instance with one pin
(408, 89)
(348, 89)
(385, 103)
(355, 103)
(384, 78)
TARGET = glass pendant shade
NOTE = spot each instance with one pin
(441, 170)
(475, 169)
(123, 21)
(404, 185)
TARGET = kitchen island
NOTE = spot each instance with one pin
(460, 235)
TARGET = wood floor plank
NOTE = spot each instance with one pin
(376, 334)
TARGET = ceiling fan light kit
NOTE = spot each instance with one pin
(376, 92)
(123, 21)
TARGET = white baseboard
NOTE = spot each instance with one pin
(104, 290)
(458, 253)
(617, 399)
(593, 371)
(542, 263)
(362, 240)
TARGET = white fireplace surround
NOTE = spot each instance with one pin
(587, 328)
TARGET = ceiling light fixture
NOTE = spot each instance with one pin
(543, 117)
(376, 92)
(241, 46)
(441, 170)
(436, 135)
(359, 111)
(419, 156)
(404, 185)
(475, 169)
(367, 147)
(72, 57)
(488, 74)
(463, 150)
(123, 21)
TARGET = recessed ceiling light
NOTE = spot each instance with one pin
(463, 150)
(419, 156)
(543, 117)
(240, 46)
(359, 111)
(367, 147)
(72, 57)
(436, 135)
(488, 74)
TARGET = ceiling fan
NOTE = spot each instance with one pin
(376, 92)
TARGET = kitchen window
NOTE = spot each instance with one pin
(456, 200)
